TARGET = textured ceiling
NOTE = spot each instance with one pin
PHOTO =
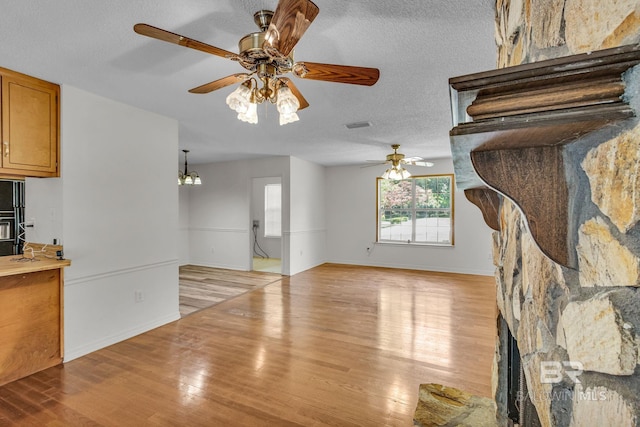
(416, 44)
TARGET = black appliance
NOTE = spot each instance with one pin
(11, 217)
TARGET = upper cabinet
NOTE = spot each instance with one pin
(30, 126)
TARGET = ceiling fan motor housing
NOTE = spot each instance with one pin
(395, 157)
(253, 54)
(251, 46)
(262, 18)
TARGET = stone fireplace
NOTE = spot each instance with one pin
(577, 340)
(568, 291)
(514, 403)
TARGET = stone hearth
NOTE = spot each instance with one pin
(441, 406)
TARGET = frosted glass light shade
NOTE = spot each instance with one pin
(251, 115)
(288, 118)
(238, 100)
(396, 173)
(287, 102)
(191, 179)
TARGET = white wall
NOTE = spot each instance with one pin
(351, 225)
(183, 224)
(220, 211)
(115, 209)
(307, 234)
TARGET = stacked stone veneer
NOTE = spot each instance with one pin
(586, 321)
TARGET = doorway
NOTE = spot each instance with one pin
(266, 224)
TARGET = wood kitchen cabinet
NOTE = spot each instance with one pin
(30, 126)
(31, 316)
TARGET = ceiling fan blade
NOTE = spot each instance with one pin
(417, 161)
(374, 163)
(303, 102)
(337, 73)
(290, 20)
(220, 83)
(167, 36)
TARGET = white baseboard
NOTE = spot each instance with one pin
(74, 353)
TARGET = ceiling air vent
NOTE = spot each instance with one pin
(357, 125)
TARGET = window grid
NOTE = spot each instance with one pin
(416, 210)
(272, 210)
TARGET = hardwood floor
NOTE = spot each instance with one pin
(335, 345)
(202, 287)
(272, 265)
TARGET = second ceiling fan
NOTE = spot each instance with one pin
(397, 162)
(268, 55)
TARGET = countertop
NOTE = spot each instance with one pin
(16, 264)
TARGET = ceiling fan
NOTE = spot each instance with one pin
(397, 160)
(268, 55)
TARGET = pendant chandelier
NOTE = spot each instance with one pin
(186, 177)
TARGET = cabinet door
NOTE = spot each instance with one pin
(29, 126)
(30, 323)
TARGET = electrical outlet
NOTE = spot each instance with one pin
(256, 223)
(138, 296)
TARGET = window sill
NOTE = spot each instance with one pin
(415, 244)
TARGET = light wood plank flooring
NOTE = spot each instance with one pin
(335, 345)
(202, 287)
(272, 265)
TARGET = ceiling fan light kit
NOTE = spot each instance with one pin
(186, 177)
(397, 171)
(267, 55)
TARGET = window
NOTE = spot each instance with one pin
(272, 210)
(416, 210)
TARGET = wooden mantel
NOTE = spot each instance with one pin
(511, 124)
